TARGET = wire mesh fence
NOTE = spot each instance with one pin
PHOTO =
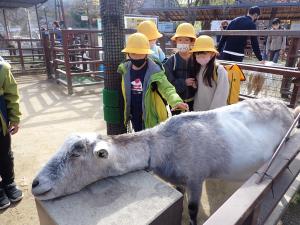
(260, 85)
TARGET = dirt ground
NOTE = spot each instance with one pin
(49, 115)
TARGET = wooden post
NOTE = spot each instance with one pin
(47, 54)
(21, 55)
(53, 55)
(5, 24)
(63, 13)
(295, 94)
(46, 18)
(38, 20)
(30, 35)
(290, 62)
(67, 61)
(112, 13)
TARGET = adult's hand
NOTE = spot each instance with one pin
(262, 62)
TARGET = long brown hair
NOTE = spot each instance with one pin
(208, 76)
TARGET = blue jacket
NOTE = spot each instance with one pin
(238, 43)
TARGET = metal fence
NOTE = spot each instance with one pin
(77, 59)
(25, 55)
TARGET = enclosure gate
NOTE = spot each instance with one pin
(25, 55)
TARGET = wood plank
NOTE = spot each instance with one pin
(289, 33)
(86, 62)
(61, 71)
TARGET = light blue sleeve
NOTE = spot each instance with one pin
(161, 54)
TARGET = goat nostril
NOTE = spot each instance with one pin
(35, 183)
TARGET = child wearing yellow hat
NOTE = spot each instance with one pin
(180, 66)
(145, 86)
(212, 79)
(149, 29)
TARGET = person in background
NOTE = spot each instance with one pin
(57, 32)
(212, 79)
(265, 55)
(145, 86)
(180, 66)
(232, 47)
(149, 29)
(223, 26)
(9, 125)
(275, 44)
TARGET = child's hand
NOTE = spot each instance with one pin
(181, 106)
(195, 86)
(190, 81)
(13, 128)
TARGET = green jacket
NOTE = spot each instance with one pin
(154, 108)
(9, 98)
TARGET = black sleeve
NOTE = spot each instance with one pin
(224, 38)
(221, 43)
(255, 45)
(178, 83)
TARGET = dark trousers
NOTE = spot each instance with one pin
(274, 55)
(6, 160)
(229, 57)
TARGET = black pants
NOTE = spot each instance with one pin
(6, 160)
(229, 57)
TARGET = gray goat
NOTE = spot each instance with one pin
(228, 143)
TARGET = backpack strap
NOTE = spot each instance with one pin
(215, 75)
(174, 62)
(155, 88)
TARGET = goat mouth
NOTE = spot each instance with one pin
(38, 195)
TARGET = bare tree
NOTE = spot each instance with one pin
(131, 6)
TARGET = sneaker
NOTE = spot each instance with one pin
(4, 201)
(13, 193)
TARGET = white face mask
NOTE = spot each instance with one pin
(203, 60)
(152, 45)
(183, 47)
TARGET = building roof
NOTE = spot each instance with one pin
(282, 10)
(19, 3)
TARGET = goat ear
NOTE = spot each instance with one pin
(102, 153)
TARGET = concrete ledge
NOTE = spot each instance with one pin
(133, 199)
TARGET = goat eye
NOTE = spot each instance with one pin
(102, 153)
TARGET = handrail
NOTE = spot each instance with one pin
(289, 33)
(285, 71)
